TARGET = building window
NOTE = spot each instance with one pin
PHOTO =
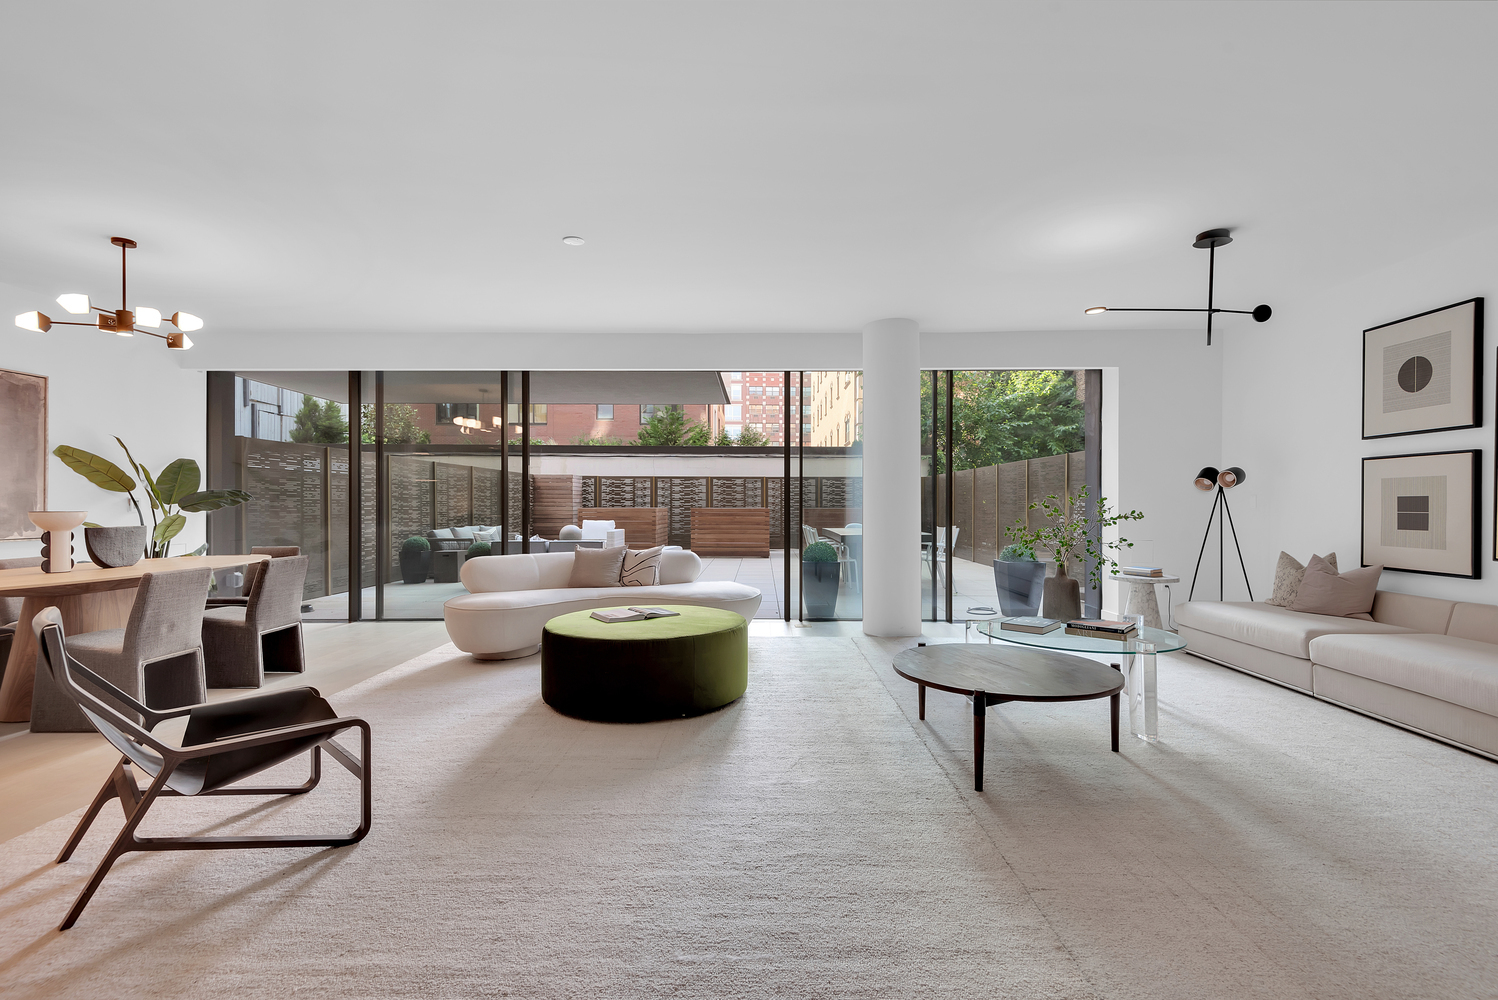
(446, 411)
(847, 430)
(806, 430)
(773, 390)
(605, 411)
(756, 390)
(736, 393)
(512, 413)
(733, 412)
(736, 376)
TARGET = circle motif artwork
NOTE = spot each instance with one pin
(1415, 374)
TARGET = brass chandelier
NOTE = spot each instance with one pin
(123, 321)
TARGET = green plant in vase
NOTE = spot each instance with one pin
(819, 580)
(172, 493)
(1069, 528)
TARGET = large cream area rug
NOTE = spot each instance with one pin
(812, 840)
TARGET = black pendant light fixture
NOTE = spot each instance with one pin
(1208, 241)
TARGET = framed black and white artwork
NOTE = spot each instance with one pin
(1420, 513)
(1424, 373)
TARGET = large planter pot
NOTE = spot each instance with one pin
(1063, 596)
(120, 546)
(1019, 584)
(819, 589)
(416, 565)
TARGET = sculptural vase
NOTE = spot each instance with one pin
(1063, 596)
(57, 537)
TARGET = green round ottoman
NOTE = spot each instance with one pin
(661, 668)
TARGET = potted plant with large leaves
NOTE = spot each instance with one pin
(172, 493)
(1070, 527)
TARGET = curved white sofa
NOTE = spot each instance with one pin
(511, 598)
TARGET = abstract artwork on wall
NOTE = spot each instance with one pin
(23, 452)
(1424, 373)
(1420, 513)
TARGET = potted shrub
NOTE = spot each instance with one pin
(416, 559)
(1019, 577)
(819, 573)
(1069, 527)
(477, 549)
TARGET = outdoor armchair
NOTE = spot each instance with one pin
(223, 743)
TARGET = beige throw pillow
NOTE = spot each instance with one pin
(1287, 576)
(642, 568)
(596, 567)
(1324, 592)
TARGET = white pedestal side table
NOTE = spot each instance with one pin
(1141, 596)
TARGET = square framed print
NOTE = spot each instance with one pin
(1420, 513)
(23, 452)
(1424, 373)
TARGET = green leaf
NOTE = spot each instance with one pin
(156, 502)
(213, 500)
(178, 480)
(170, 528)
(99, 471)
(90, 524)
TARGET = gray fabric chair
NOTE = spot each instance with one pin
(222, 744)
(239, 642)
(251, 571)
(10, 610)
(157, 658)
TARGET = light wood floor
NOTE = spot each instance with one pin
(47, 775)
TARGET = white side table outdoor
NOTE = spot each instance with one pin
(1141, 598)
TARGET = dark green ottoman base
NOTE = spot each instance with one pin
(664, 668)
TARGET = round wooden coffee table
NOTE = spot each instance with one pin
(992, 675)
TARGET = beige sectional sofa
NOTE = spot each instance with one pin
(1421, 663)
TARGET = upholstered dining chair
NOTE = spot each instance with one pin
(222, 744)
(157, 658)
(239, 642)
(251, 571)
(10, 609)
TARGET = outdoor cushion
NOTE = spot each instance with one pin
(463, 533)
(1269, 627)
(1459, 671)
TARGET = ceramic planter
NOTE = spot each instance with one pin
(1019, 584)
(819, 589)
(416, 565)
(120, 546)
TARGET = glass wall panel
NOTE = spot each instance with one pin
(829, 487)
(1015, 438)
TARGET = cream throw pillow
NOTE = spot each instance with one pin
(1324, 592)
(1287, 576)
(642, 568)
(596, 567)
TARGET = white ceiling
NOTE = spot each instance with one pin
(734, 167)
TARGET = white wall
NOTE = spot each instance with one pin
(1292, 416)
(99, 386)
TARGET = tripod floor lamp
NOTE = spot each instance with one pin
(1223, 481)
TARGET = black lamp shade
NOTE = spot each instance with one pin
(1228, 478)
(1206, 479)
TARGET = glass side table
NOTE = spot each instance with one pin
(1137, 662)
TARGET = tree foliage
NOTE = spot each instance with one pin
(1006, 416)
(750, 437)
(319, 423)
(400, 425)
(669, 427)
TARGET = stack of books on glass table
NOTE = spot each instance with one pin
(1096, 628)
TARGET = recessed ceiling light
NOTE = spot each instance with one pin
(573, 241)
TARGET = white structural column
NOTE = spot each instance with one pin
(891, 478)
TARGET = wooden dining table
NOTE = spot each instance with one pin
(91, 599)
